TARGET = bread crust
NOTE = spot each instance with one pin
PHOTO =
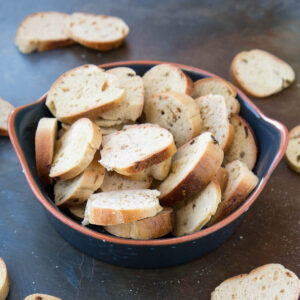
(4, 288)
(146, 229)
(77, 212)
(222, 178)
(41, 297)
(45, 138)
(294, 133)
(4, 130)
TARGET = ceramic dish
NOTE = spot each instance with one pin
(167, 251)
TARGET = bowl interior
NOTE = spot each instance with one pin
(267, 134)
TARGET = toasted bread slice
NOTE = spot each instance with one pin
(41, 297)
(243, 146)
(86, 91)
(260, 73)
(176, 112)
(131, 107)
(218, 86)
(78, 211)
(145, 229)
(75, 150)
(77, 190)
(222, 178)
(241, 182)
(197, 210)
(118, 207)
(193, 167)
(97, 31)
(45, 138)
(292, 154)
(5, 109)
(136, 148)
(268, 282)
(43, 31)
(166, 78)
(115, 182)
(4, 280)
(214, 117)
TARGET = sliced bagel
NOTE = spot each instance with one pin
(4, 280)
(136, 148)
(97, 31)
(43, 31)
(243, 147)
(218, 86)
(214, 117)
(176, 112)
(145, 229)
(197, 210)
(118, 207)
(222, 178)
(5, 109)
(75, 150)
(241, 182)
(292, 154)
(114, 182)
(166, 78)
(193, 167)
(86, 91)
(77, 190)
(268, 282)
(260, 73)
(78, 211)
(131, 108)
(45, 138)
(41, 297)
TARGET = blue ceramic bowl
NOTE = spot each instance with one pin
(168, 251)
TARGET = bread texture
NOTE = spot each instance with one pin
(218, 86)
(115, 182)
(145, 229)
(136, 148)
(75, 150)
(161, 171)
(98, 32)
(243, 147)
(77, 212)
(176, 112)
(131, 107)
(241, 182)
(75, 191)
(41, 297)
(4, 280)
(166, 78)
(292, 154)
(43, 31)
(118, 207)
(86, 91)
(196, 211)
(222, 178)
(214, 117)
(45, 138)
(193, 167)
(5, 109)
(268, 282)
(260, 73)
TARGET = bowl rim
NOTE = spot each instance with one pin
(154, 242)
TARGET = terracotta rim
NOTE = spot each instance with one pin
(160, 242)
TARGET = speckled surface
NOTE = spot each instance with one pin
(196, 33)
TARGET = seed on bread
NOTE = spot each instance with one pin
(98, 32)
(5, 109)
(193, 167)
(86, 91)
(243, 147)
(260, 73)
(118, 207)
(136, 148)
(214, 117)
(145, 229)
(268, 282)
(75, 150)
(176, 112)
(4, 280)
(218, 86)
(43, 31)
(292, 154)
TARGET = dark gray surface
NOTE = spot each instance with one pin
(197, 33)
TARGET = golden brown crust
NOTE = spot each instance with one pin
(294, 133)
(45, 138)
(4, 289)
(229, 139)
(50, 45)
(190, 85)
(222, 178)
